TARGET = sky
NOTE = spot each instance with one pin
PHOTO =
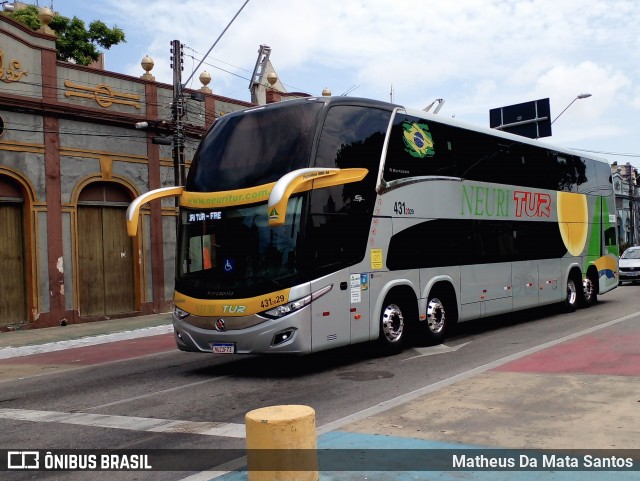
(475, 54)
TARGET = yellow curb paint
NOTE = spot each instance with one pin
(289, 434)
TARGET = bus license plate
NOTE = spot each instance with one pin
(224, 348)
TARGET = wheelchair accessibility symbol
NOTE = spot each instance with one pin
(228, 265)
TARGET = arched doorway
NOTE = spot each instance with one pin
(105, 252)
(13, 285)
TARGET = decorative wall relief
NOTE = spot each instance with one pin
(12, 72)
(103, 95)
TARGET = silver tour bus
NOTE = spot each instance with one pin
(316, 223)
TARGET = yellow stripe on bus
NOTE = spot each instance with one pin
(229, 198)
(606, 263)
(231, 307)
(226, 198)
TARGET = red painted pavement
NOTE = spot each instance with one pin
(100, 353)
(615, 355)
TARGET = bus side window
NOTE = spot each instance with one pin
(610, 237)
(417, 148)
(603, 176)
(486, 159)
(587, 179)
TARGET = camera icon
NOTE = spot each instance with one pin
(23, 460)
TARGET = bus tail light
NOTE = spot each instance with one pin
(296, 305)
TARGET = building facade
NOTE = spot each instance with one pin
(624, 178)
(71, 160)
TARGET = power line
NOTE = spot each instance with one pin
(220, 68)
(202, 62)
(217, 60)
(218, 39)
(621, 154)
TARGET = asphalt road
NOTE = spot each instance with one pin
(125, 404)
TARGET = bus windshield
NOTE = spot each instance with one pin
(254, 147)
(235, 249)
(232, 248)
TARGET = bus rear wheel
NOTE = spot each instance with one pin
(589, 294)
(440, 315)
(392, 327)
(571, 297)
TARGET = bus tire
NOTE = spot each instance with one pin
(572, 293)
(393, 326)
(441, 314)
(589, 292)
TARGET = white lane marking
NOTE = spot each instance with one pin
(434, 350)
(9, 352)
(131, 423)
(234, 465)
(156, 393)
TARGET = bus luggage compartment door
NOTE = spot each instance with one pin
(549, 275)
(488, 287)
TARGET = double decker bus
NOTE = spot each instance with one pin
(316, 223)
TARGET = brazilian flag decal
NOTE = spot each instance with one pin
(417, 140)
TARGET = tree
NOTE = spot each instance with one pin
(74, 41)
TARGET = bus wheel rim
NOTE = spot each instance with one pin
(392, 323)
(436, 316)
(587, 286)
(572, 292)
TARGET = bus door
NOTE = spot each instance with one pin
(331, 244)
(352, 138)
(330, 325)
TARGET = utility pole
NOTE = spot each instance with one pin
(632, 227)
(177, 110)
(178, 105)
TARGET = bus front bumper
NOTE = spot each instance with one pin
(290, 334)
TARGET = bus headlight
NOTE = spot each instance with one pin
(288, 308)
(292, 306)
(179, 313)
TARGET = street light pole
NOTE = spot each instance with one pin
(581, 96)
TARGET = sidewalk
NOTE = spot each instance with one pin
(580, 393)
(87, 332)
